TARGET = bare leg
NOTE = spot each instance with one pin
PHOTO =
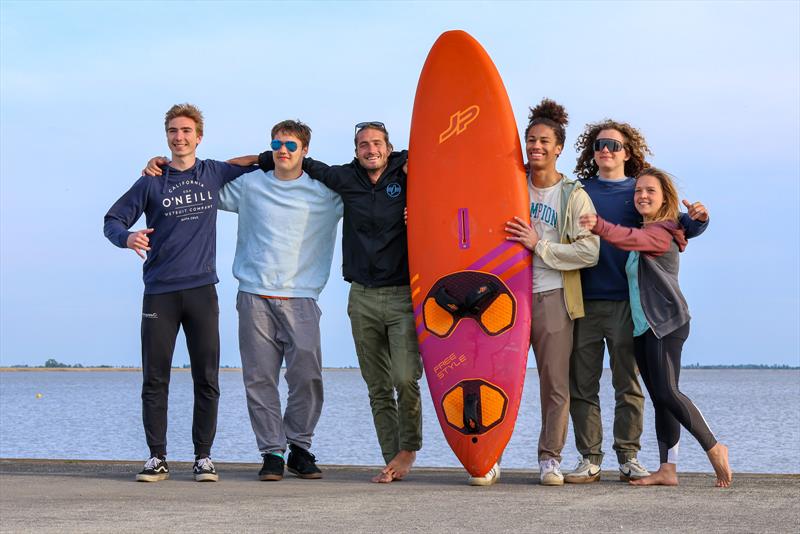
(667, 475)
(718, 456)
(397, 468)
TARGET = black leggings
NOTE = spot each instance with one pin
(197, 310)
(659, 362)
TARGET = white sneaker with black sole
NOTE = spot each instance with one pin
(632, 470)
(585, 473)
(488, 479)
(204, 470)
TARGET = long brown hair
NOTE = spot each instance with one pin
(669, 209)
(635, 144)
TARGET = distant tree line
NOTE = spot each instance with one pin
(52, 363)
(741, 366)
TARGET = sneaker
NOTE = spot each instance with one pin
(302, 463)
(632, 470)
(272, 468)
(585, 472)
(155, 469)
(204, 470)
(488, 479)
(550, 473)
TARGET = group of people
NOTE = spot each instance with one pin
(588, 291)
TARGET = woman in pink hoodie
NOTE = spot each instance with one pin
(661, 320)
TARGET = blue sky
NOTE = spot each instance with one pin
(715, 88)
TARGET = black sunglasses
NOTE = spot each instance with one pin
(611, 144)
(371, 124)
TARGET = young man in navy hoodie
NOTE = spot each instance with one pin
(611, 155)
(179, 249)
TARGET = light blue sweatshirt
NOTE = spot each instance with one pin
(286, 235)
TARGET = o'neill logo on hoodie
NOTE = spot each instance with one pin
(185, 201)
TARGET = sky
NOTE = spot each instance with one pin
(714, 87)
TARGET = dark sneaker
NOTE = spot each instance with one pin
(302, 463)
(272, 468)
(155, 469)
(204, 470)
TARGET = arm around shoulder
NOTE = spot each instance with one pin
(583, 247)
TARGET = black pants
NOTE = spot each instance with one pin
(197, 310)
(659, 362)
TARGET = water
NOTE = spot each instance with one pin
(97, 415)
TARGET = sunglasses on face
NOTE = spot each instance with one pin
(276, 145)
(611, 144)
(371, 124)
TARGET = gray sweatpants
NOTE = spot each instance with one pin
(270, 330)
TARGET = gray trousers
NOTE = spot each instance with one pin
(609, 321)
(269, 331)
(551, 337)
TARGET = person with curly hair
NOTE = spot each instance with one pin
(561, 247)
(611, 153)
(661, 321)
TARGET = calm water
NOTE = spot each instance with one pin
(97, 415)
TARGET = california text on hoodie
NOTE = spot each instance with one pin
(181, 207)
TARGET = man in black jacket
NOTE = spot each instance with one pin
(375, 262)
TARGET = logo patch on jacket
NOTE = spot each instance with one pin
(393, 190)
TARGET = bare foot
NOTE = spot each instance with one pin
(401, 464)
(718, 456)
(667, 475)
(384, 477)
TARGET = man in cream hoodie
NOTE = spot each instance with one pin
(561, 248)
(284, 247)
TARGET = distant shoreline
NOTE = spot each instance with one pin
(227, 369)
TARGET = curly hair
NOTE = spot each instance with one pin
(551, 114)
(635, 144)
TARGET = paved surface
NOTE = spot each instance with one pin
(85, 496)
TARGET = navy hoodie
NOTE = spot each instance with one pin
(181, 207)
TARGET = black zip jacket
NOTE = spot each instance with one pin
(374, 239)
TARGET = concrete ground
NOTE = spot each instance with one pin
(97, 496)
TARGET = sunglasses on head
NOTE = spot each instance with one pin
(291, 146)
(611, 144)
(371, 124)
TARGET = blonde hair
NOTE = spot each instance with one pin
(185, 110)
(669, 210)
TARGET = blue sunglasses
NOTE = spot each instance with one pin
(291, 146)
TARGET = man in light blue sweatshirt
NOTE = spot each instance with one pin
(284, 247)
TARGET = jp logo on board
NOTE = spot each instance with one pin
(393, 190)
(459, 122)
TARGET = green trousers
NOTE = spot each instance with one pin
(610, 322)
(382, 319)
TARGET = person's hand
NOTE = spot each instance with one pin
(405, 215)
(588, 221)
(405, 167)
(522, 232)
(696, 210)
(153, 168)
(139, 242)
